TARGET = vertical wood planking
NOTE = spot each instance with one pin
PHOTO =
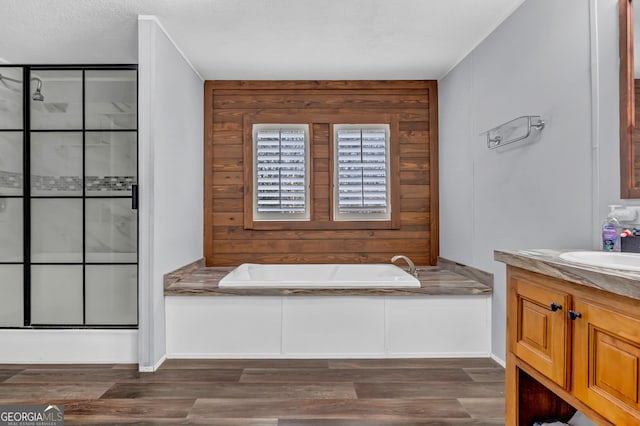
(321, 178)
(209, 162)
(434, 223)
(635, 149)
(410, 107)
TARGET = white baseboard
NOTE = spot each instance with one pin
(500, 361)
(326, 355)
(438, 355)
(154, 367)
(223, 356)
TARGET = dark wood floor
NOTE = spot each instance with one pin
(268, 392)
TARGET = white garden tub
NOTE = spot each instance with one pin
(319, 276)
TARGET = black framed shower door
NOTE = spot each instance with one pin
(68, 193)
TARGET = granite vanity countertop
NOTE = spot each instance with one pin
(203, 281)
(548, 262)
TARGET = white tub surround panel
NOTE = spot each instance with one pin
(439, 325)
(327, 326)
(229, 327)
(332, 326)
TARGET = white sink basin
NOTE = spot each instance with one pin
(604, 259)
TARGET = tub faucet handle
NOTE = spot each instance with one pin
(412, 267)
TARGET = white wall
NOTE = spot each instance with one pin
(550, 193)
(171, 177)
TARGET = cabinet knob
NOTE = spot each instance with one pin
(573, 315)
(554, 307)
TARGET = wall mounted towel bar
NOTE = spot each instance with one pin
(515, 130)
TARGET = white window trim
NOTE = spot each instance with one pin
(261, 216)
(339, 216)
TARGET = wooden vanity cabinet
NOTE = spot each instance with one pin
(570, 347)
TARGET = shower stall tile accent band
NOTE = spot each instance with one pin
(110, 183)
(72, 183)
(67, 183)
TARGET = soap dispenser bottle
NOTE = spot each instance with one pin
(610, 231)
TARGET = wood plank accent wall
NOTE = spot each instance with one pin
(231, 105)
(635, 147)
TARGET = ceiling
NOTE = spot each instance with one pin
(259, 39)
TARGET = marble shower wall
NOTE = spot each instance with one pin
(11, 99)
(11, 302)
(11, 212)
(11, 245)
(10, 185)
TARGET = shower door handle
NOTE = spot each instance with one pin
(134, 197)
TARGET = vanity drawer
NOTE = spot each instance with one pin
(537, 325)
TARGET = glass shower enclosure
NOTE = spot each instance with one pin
(68, 196)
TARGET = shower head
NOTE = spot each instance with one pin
(37, 95)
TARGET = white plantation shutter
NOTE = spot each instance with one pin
(280, 167)
(362, 173)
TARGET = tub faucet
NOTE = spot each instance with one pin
(412, 267)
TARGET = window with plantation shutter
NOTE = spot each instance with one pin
(361, 172)
(280, 172)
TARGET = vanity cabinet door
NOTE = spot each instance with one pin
(606, 361)
(538, 329)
